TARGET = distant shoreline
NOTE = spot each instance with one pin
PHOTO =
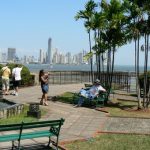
(61, 67)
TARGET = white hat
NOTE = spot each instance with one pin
(97, 81)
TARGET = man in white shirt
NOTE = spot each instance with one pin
(16, 73)
(91, 93)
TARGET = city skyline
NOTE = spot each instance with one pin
(49, 56)
(27, 25)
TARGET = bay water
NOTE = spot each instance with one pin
(34, 68)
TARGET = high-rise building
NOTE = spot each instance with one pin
(41, 59)
(68, 58)
(11, 54)
(49, 52)
(3, 57)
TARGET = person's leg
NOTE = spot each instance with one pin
(14, 87)
(7, 87)
(3, 86)
(45, 102)
(42, 99)
(43, 96)
(46, 88)
(17, 88)
(81, 100)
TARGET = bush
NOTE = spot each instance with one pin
(141, 81)
(27, 79)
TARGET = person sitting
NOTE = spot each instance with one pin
(90, 93)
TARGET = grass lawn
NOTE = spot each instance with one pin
(112, 142)
(116, 108)
(21, 117)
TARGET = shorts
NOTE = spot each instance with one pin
(5, 84)
(16, 83)
(45, 88)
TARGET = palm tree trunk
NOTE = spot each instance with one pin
(91, 59)
(146, 64)
(136, 61)
(138, 84)
(112, 68)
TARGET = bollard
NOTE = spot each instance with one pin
(34, 110)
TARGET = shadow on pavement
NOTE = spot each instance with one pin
(33, 147)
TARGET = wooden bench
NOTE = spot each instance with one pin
(23, 131)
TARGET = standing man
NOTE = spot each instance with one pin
(16, 73)
(5, 79)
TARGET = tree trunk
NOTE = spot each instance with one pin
(137, 78)
(91, 59)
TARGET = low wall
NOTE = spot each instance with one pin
(12, 110)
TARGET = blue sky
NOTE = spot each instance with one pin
(27, 24)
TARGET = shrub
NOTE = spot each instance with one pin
(141, 81)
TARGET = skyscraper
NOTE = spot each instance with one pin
(11, 54)
(49, 53)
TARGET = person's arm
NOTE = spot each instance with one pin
(100, 88)
(45, 80)
(13, 72)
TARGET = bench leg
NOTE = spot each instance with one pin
(49, 142)
(57, 144)
(13, 145)
(18, 144)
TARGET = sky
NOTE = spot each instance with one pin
(27, 24)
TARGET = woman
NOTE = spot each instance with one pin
(43, 78)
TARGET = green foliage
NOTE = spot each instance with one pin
(66, 98)
(88, 56)
(141, 80)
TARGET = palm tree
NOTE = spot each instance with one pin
(134, 15)
(114, 32)
(98, 25)
(87, 15)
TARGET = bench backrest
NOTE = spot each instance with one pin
(54, 125)
(9, 127)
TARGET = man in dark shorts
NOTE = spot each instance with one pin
(16, 73)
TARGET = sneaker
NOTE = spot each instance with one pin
(77, 106)
(16, 94)
(13, 93)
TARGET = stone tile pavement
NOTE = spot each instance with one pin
(80, 123)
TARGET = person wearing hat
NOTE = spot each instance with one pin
(91, 93)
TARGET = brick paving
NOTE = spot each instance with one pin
(80, 123)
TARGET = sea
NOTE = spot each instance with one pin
(34, 68)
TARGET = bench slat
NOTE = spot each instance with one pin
(6, 138)
(31, 135)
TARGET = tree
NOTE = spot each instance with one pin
(87, 15)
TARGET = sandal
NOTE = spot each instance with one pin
(46, 104)
(41, 102)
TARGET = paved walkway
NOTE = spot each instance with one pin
(80, 123)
